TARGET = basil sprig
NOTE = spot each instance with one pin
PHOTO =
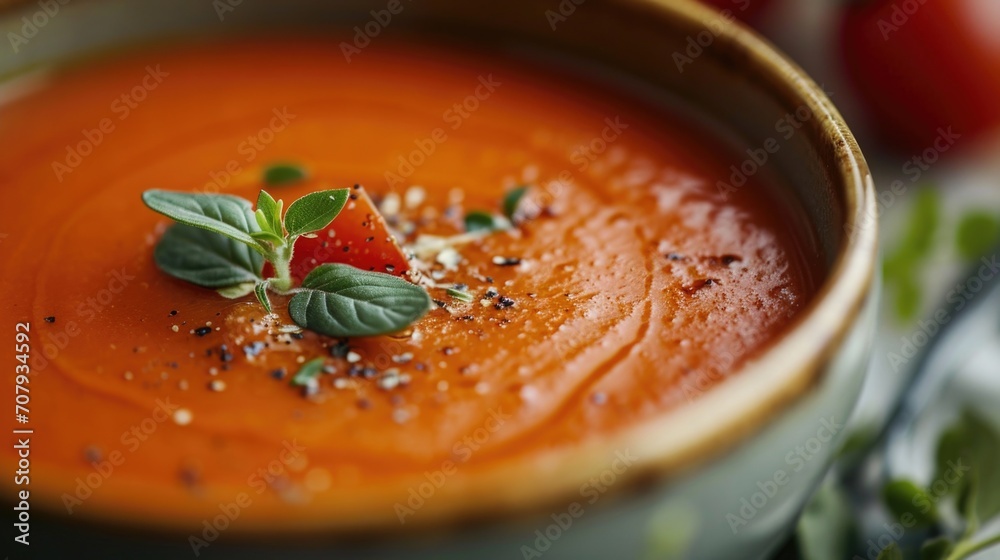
(221, 242)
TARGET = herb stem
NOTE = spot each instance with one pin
(966, 549)
(281, 260)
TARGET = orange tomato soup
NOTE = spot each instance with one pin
(637, 287)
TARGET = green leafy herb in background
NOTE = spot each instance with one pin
(222, 243)
(307, 372)
(902, 264)
(978, 232)
(967, 463)
(512, 200)
(480, 221)
(902, 498)
(826, 528)
(966, 482)
(974, 442)
(891, 552)
(284, 174)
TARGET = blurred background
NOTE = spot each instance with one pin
(919, 83)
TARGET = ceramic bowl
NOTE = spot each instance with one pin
(726, 474)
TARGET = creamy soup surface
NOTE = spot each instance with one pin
(637, 287)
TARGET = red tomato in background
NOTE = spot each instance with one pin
(745, 10)
(923, 65)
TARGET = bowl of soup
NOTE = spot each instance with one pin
(647, 239)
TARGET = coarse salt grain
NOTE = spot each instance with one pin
(183, 417)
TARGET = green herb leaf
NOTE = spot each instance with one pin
(237, 291)
(228, 215)
(269, 214)
(904, 498)
(984, 454)
(857, 442)
(951, 447)
(826, 527)
(978, 232)
(967, 502)
(908, 297)
(308, 371)
(206, 258)
(284, 174)
(970, 451)
(511, 201)
(671, 531)
(479, 221)
(339, 300)
(936, 549)
(260, 290)
(314, 211)
(902, 264)
(891, 552)
(460, 295)
(268, 237)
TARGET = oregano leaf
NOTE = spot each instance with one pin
(307, 372)
(224, 214)
(206, 258)
(260, 290)
(314, 211)
(269, 212)
(237, 291)
(339, 300)
(268, 237)
(479, 221)
(511, 201)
